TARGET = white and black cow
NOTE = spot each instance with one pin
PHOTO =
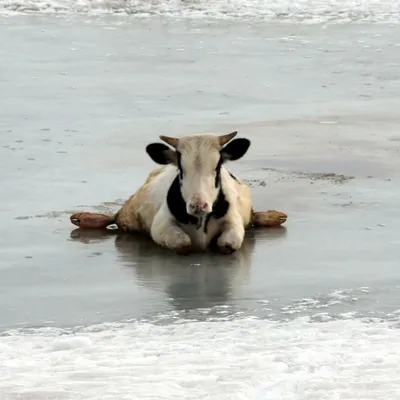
(191, 201)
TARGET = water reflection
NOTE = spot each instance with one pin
(194, 281)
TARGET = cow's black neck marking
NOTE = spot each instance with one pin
(177, 206)
(218, 173)
(220, 209)
(220, 206)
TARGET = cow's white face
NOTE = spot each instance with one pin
(199, 159)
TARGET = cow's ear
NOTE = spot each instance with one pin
(235, 149)
(161, 154)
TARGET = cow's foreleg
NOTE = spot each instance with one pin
(167, 234)
(232, 236)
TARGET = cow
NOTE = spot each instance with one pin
(192, 202)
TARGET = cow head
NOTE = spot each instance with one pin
(199, 159)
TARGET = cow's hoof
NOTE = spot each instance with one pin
(229, 241)
(226, 249)
(88, 220)
(268, 218)
(183, 251)
(178, 241)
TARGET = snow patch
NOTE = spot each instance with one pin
(312, 11)
(246, 358)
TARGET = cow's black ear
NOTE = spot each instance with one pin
(161, 154)
(235, 149)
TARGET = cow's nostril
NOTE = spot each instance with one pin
(199, 207)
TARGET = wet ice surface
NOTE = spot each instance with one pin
(306, 312)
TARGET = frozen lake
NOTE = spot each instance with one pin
(306, 312)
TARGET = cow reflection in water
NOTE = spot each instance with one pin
(202, 280)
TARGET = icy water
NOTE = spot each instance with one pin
(309, 311)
